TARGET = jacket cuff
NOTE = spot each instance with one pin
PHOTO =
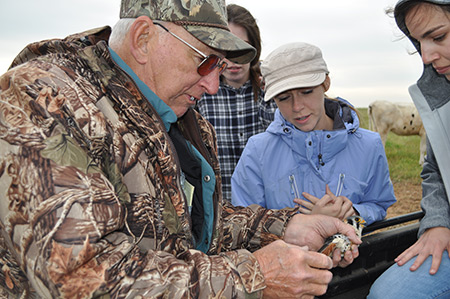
(278, 228)
(430, 222)
(249, 271)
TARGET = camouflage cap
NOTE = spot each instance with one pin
(204, 19)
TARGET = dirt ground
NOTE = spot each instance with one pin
(408, 199)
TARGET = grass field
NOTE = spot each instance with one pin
(402, 153)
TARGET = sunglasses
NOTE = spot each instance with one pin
(209, 63)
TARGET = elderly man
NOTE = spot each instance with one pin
(112, 179)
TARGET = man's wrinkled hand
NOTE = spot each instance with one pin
(291, 271)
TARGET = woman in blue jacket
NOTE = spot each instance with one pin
(313, 154)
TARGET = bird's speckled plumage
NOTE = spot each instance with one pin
(341, 241)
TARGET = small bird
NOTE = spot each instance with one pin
(341, 241)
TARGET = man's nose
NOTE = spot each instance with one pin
(210, 82)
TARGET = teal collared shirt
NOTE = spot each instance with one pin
(169, 117)
(164, 111)
(208, 184)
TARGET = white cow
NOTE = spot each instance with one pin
(400, 118)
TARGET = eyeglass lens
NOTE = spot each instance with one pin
(208, 65)
(209, 62)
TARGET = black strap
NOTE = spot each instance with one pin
(191, 167)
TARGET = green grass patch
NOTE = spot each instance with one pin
(402, 153)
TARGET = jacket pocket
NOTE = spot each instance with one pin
(352, 188)
(282, 190)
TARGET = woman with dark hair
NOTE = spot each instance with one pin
(237, 111)
(423, 270)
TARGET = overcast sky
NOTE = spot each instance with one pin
(363, 48)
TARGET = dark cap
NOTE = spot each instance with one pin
(204, 19)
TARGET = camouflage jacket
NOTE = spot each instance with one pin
(91, 204)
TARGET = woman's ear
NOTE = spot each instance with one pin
(326, 84)
(139, 37)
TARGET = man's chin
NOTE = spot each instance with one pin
(179, 112)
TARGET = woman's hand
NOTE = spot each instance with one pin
(432, 242)
(337, 206)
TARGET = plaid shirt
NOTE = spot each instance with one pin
(236, 117)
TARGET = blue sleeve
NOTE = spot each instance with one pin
(247, 186)
(434, 202)
(379, 195)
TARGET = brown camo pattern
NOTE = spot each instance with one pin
(89, 188)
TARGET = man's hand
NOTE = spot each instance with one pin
(291, 271)
(312, 230)
(432, 242)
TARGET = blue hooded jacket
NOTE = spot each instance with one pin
(282, 161)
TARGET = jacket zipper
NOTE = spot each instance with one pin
(319, 156)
